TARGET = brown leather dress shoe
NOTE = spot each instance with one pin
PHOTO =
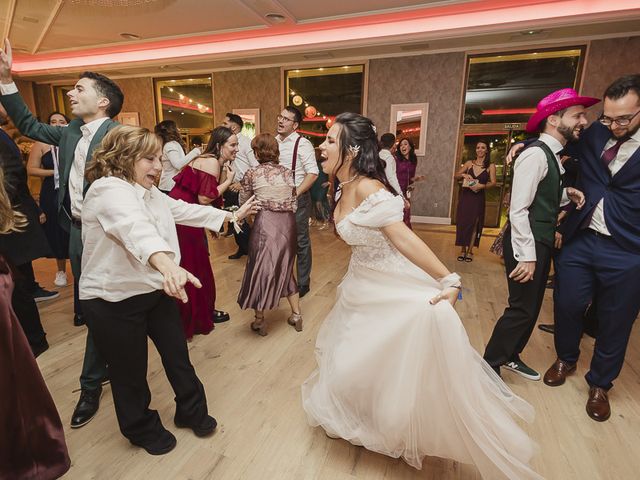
(558, 372)
(598, 406)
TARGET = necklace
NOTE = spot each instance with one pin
(342, 184)
(338, 193)
(478, 164)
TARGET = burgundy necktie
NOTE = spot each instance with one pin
(610, 153)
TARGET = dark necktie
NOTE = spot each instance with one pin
(610, 153)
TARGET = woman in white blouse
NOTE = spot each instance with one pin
(130, 269)
(173, 156)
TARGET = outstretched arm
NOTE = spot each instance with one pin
(18, 110)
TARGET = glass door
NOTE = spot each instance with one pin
(500, 137)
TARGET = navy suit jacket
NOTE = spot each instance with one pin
(621, 192)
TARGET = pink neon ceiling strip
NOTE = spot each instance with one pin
(452, 17)
(510, 111)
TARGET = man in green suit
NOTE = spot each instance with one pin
(95, 100)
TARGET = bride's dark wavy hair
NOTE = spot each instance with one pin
(359, 131)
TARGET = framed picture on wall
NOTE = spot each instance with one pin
(251, 119)
(129, 118)
(409, 120)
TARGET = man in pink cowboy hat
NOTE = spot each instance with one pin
(536, 197)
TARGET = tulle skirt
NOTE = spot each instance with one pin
(399, 376)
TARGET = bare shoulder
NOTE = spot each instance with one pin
(368, 186)
(208, 164)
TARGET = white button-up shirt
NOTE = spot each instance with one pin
(529, 170)
(306, 162)
(245, 159)
(173, 159)
(390, 169)
(123, 224)
(627, 149)
(76, 174)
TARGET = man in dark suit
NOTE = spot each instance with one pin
(600, 256)
(95, 100)
(21, 248)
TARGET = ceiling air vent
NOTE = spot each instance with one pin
(317, 56)
(239, 63)
(414, 47)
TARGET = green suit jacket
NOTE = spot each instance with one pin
(64, 137)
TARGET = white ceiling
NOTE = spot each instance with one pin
(52, 29)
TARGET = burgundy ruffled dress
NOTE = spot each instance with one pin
(197, 313)
(32, 442)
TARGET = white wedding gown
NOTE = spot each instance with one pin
(398, 375)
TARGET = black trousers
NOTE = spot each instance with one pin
(120, 331)
(25, 306)
(242, 239)
(513, 330)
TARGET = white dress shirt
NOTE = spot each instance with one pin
(306, 163)
(627, 149)
(76, 174)
(529, 170)
(123, 224)
(8, 88)
(245, 159)
(173, 159)
(390, 169)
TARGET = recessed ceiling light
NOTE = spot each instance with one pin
(275, 17)
(130, 36)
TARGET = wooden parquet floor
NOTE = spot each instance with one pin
(253, 389)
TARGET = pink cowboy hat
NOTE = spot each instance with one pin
(556, 101)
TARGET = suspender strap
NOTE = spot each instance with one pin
(293, 163)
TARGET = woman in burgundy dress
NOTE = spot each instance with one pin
(32, 438)
(268, 276)
(477, 175)
(198, 183)
(406, 162)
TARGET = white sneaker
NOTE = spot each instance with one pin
(61, 279)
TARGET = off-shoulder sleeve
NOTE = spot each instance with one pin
(379, 210)
(208, 185)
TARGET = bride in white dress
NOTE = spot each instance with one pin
(396, 372)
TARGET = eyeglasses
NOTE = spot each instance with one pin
(622, 122)
(282, 119)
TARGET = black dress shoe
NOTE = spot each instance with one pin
(40, 348)
(237, 255)
(87, 407)
(204, 428)
(547, 327)
(78, 320)
(161, 445)
(303, 290)
(220, 317)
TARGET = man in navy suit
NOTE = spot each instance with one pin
(600, 258)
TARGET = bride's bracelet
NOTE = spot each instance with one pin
(451, 281)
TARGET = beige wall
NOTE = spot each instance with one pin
(435, 79)
(138, 97)
(606, 61)
(258, 88)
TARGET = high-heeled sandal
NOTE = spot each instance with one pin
(259, 326)
(295, 320)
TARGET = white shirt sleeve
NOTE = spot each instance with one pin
(174, 153)
(529, 170)
(307, 156)
(8, 88)
(193, 215)
(120, 215)
(390, 170)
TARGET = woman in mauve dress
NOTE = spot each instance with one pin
(406, 162)
(198, 183)
(268, 276)
(477, 175)
(32, 438)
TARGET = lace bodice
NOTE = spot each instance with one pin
(361, 229)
